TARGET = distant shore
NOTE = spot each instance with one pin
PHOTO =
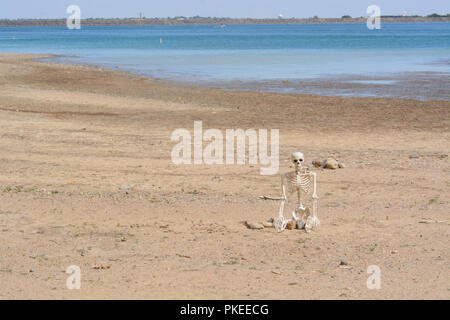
(213, 21)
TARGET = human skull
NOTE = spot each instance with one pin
(297, 159)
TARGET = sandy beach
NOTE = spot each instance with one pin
(86, 179)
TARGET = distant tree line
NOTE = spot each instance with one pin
(198, 20)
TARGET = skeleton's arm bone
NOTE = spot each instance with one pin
(283, 192)
(283, 187)
(283, 196)
(315, 221)
(271, 198)
(314, 176)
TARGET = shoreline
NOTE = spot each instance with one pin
(87, 180)
(344, 86)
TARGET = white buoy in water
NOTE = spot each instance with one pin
(160, 40)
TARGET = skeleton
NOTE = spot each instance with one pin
(300, 182)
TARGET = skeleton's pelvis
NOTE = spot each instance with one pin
(302, 211)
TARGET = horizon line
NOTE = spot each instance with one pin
(431, 15)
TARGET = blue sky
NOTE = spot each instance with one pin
(219, 8)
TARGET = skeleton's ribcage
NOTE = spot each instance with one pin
(298, 181)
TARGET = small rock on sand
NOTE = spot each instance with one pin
(291, 225)
(100, 267)
(317, 163)
(267, 224)
(343, 263)
(341, 165)
(254, 225)
(331, 163)
(414, 155)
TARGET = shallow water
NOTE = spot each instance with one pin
(358, 61)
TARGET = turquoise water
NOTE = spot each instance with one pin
(215, 56)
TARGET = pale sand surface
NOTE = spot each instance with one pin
(71, 136)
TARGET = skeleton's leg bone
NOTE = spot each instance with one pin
(280, 212)
(299, 197)
(299, 211)
(300, 224)
(294, 216)
(311, 221)
(303, 215)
